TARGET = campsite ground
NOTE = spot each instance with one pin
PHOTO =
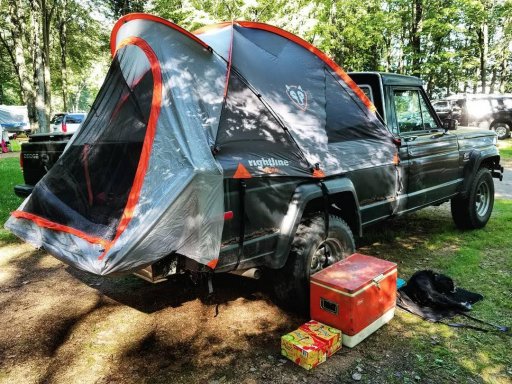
(60, 325)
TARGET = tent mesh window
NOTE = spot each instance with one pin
(248, 129)
(88, 187)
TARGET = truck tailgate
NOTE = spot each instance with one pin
(38, 158)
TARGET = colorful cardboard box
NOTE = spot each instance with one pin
(332, 337)
(303, 349)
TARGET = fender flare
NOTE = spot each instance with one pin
(476, 158)
(304, 194)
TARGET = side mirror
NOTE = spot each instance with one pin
(450, 124)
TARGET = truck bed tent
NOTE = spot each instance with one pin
(178, 113)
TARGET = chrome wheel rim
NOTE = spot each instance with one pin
(483, 199)
(500, 130)
(328, 252)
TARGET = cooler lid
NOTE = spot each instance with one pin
(353, 273)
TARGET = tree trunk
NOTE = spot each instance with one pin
(483, 44)
(503, 75)
(81, 86)
(415, 38)
(46, 17)
(387, 43)
(39, 67)
(494, 76)
(15, 24)
(63, 53)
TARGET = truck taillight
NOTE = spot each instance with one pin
(21, 160)
(64, 128)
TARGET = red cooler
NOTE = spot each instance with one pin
(356, 295)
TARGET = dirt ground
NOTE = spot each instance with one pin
(60, 325)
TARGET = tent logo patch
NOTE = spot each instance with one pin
(298, 96)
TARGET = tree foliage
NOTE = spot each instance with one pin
(48, 50)
(453, 45)
(53, 53)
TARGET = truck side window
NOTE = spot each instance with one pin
(367, 90)
(412, 113)
(507, 102)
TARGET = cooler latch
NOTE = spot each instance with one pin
(378, 279)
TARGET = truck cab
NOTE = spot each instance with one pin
(431, 164)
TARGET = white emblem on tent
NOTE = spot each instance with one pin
(298, 96)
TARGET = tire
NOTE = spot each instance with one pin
(474, 211)
(502, 130)
(308, 255)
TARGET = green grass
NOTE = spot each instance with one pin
(479, 261)
(10, 175)
(505, 147)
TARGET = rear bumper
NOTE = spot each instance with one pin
(23, 190)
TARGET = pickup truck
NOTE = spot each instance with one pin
(37, 156)
(279, 225)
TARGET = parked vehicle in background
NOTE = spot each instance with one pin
(67, 122)
(14, 119)
(37, 156)
(492, 112)
(447, 110)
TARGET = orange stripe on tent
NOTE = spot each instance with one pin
(145, 16)
(156, 102)
(241, 172)
(45, 223)
(212, 264)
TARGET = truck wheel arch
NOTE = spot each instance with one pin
(308, 197)
(477, 160)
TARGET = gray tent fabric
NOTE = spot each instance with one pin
(312, 102)
(177, 115)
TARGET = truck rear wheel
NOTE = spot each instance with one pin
(474, 211)
(310, 253)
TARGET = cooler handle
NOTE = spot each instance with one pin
(377, 280)
(329, 306)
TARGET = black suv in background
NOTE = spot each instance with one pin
(485, 111)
